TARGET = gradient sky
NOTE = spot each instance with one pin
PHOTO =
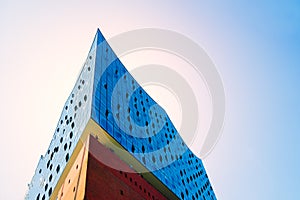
(254, 44)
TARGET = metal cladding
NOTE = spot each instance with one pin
(106, 93)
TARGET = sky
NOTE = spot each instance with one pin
(255, 46)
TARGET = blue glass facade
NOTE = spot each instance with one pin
(142, 127)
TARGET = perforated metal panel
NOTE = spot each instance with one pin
(108, 94)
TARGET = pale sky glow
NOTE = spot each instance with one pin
(254, 44)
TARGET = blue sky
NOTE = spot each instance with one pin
(255, 46)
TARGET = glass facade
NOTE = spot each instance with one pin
(106, 93)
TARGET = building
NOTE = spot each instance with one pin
(113, 141)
